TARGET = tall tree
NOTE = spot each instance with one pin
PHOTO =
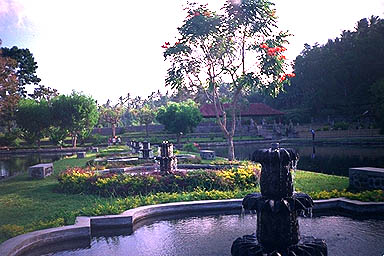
(111, 114)
(237, 47)
(75, 113)
(145, 115)
(179, 118)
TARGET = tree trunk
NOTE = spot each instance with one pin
(38, 143)
(74, 141)
(231, 148)
(146, 130)
(113, 130)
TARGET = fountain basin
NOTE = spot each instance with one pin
(23, 244)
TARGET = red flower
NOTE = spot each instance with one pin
(263, 46)
(196, 14)
(282, 78)
(166, 43)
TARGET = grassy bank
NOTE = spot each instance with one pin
(28, 205)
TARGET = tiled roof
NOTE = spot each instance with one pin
(253, 109)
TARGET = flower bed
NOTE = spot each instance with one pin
(78, 180)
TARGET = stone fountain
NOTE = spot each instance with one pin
(277, 208)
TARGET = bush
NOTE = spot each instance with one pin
(191, 147)
(365, 196)
(78, 180)
(97, 139)
(10, 139)
(194, 160)
(341, 126)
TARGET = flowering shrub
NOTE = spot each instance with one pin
(78, 180)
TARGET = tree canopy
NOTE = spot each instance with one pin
(34, 119)
(179, 117)
(335, 79)
(9, 96)
(237, 47)
(25, 66)
(76, 113)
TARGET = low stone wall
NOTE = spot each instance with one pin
(366, 178)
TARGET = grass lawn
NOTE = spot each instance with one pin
(28, 204)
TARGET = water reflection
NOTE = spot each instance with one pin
(326, 159)
(213, 236)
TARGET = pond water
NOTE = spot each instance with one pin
(330, 159)
(213, 236)
(11, 165)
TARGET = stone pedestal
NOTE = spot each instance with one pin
(81, 154)
(40, 171)
(207, 154)
(366, 178)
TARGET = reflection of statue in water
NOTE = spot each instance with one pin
(313, 156)
(277, 208)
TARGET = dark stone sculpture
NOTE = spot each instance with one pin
(168, 161)
(146, 150)
(277, 208)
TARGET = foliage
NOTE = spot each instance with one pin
(179, 117)
(10, 230)
(97, 139)
(57, 135)
(34, 119)
(191, 147)
(78, 180)
(365, 196)
(235, 49)
(10, 138)
(76, 113)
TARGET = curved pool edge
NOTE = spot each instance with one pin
(84, 225)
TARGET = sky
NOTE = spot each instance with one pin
(109, 48)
